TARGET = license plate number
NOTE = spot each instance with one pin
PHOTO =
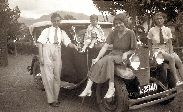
(148, 88)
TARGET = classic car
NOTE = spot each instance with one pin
(139, 81)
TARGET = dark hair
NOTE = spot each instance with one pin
(55, 15)
(159, 14)
(121, 17)
(94, 17)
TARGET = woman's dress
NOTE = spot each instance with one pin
(104, 68)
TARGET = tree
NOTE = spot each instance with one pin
(142, 10)
(12, 26)
(3, 2)
(9, 26)
(25, 34)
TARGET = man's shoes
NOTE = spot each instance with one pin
(58, 102)
(54, 104)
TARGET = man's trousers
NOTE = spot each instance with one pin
(51, 71)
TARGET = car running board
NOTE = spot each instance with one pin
(68, 85)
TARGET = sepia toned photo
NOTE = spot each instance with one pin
(91, 56)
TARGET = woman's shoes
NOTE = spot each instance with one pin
(179, 83)
(85, 93)
(109, 93)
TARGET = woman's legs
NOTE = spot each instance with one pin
(87, 90)
(178, 62)
(110, 91)
(102, 71)
(171, 60)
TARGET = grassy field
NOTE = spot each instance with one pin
(17, 91)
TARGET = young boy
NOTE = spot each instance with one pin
(93, 33)
(50, 58)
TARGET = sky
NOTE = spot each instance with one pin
(37, 8)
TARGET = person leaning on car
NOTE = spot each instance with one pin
(159, 38)
(49, 47)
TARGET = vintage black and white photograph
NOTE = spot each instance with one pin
(91, 56)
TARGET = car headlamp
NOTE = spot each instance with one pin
(134, 61)
(159, 57)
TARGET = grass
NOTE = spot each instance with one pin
(18, 92)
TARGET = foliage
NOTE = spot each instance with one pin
(25, 34)
(22, 48)
(69, 17)
(10, 28)
(8, 21)
(143, 10)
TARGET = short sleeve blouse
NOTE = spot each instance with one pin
(127, 42)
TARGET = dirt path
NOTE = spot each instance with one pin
(19, 94)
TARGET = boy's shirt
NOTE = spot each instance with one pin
(154, 34)
(98, 30)
(47, 35)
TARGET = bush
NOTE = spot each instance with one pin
(24, 47)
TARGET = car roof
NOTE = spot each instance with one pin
(71, 22)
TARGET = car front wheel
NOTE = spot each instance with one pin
(119, 102)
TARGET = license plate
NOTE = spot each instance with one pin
(148, 88)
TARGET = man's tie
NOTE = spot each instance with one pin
(55, 37)
(161, 36)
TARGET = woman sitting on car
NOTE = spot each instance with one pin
(124, 44)
(160, 40)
